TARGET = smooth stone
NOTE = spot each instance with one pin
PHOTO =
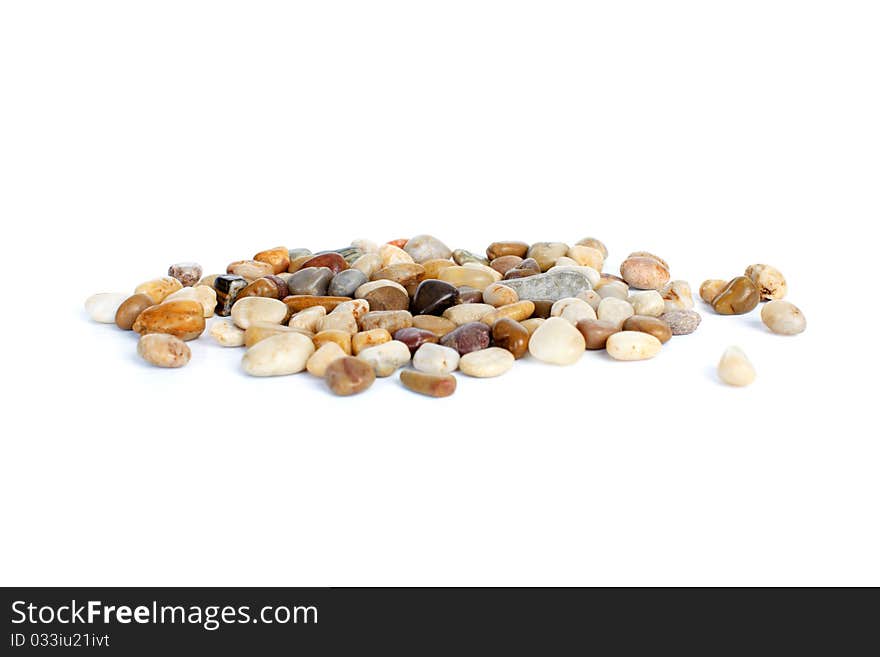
(390, 320)
(552, 286)
(738, 297)
(596, 332)
(426, 247)
(769, 281)
(735, 369)
(319, 361)
(682, 322)
(386, 358)
(298, 302)
(467, 312)
(587, 256)
(466, 276)
(677, 295)
(163, 350)
(435, 359)
(258, 309)
(387, 297)
(350, 253)
(129, 310)
(297, 263)
(632, 345)
(614, 289)
(357, 307)
(414, 337)
(439, 326)
(650, 303)
(434, 267)
(271, 287)
(560, 306)
(298, 253)
(783, 318)
(592, 275)
(595, 243)
(261, 330)
(517, 311)
(102, 307)
(528, 267)
(486, 363)
(307, 319)
(557, 342)
(183, 319)
(463, 256)
(614, 310)
(546, 253)
(158, 288)
(279, 355)
(202, 293)
(565, 261)
(651, 325)
(333, 261)
(499, 294)
(278, 257)
(505, 263)
(366, 339)
(188, 273)
(508, 248)
(711, 288)
(349, 376)
(208, 280)
(250, 269)
(366, 288)
(543, 308)
(468, 337)
(345, 283)
(432, 385)
(227, 334)
(469, 295)
(644, 273)
(391, 254)
(592, 297)
(367, 264)
(407, 274)
(312, 281)
(339, 321)
(575, 312)
(341, 338)
(511, 335)
(228, 287)
(365, 245)
(433, 297)
(486, 269)
(532, 323)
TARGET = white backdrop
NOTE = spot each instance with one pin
(134, 135)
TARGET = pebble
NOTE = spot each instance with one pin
(205, 295)
(298, 253)
(516, 311)
(279, 355)
(311, 280)
(468, 337)
(734, 368)
(308, 319)
(407, 274)
(531, 324)
(595, 243)
(414, 338)
(496, 276)
(250, 269)
(783, 317)
(596, 332)
(644, 273)
(542, 308)
(159, 288)
(580, 309)
(389, 254)
(297, 262)
(426, 247)
(163, 350)
(390, 320)
(632, 345)
(613, 310)
(769, 281)
(509, 248)
(469, 295)
(365, 245)
(439, 326)
(102, 307)
(505, 263)
(552, 286)
(258, 309)
(341, 338)
(331, 260)
(614, 289)
(434, 267)
(467, 312)
(357, 307)
(319, 361)
(349, 376)
(129, 310)
(432, 385)
(463, 256)
(564, 261)
(587, 255)
(386, 358)
(498, 294)
(208, 280)
(546, 253)
(677, 295)
(650, 303)
(738, 297)
(651, 325)
(511, 335)
(682, 322)
(435, 359)
(387, 297)
(367, 264)
(227, 334)
(278, 257)
(591, 297)
(466, 276)
(227, 287)
(433, 297)
(710, 289)
(182, 319)
(258, 331)
(346, 282)
(366, 339)
(556, 341)
(297, 302)
(486, 363)
(339, 321)
(528, 267)
(271, 287)
(188, 273)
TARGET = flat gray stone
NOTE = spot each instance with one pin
(311, 280)
(346, 282)
(552, 285)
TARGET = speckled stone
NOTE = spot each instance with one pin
(553, 285)
(188, 273)
(227, 287)
(431, 385)
(349, 376)
(311, 281)
(346, 282)
(468, 337)
(682, 322)
(433, 297)
(163, 350)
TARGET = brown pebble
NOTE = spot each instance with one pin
(408, 274)
(332, 260)
(414, 337)
(387, 297)
(511, 335)
(277, 257)
(651, 325)
(297, 302)
(432, 385)
(129, 310)
(710, 289)
(596, 332)
(349, 376)
(270, 287)
(505, 263)
(469, 295)
(542, 308)
(342, 338)
(183, 319)
(501, 249)
(738, 297)
(434, 267)
(366, 339)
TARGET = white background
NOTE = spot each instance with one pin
(134, 135)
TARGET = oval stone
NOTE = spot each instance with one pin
(435, 359)
(596, 332)
(129, 310)
(183, 319)
(468, 337)
(390, 320)
(426, 247)
(258, 309)
(386, 358)
(738, 297)
(414, 338)
(371, 338)
(554, 285)
(439, 326)
(508, 248)
(486, 363)
(433, 297)
(557, 342)
(279, 355)
(163, 350)
(511, 335)
(682, 322)
(102, 307)
(345, 283)
(632, 345)
(332, 260)
(432, 385)
(312, 281)
(651, 325)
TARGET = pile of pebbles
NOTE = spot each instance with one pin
(368, 310)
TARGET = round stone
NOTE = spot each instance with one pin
(651, 325)
(682, 322)
(436, 359)
(349, 376)
(783, 318)
(279, 355)
(472, 336)
(735, 369)
(632, 345)
(426, 247)
(345, 283)
(433, 297)
(486, 363)
(556, 341)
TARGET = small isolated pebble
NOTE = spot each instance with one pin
(498, 294)
(349, 376)
(711, 288)
(258, 309)
(596, 332)
(386, 358)
(432, 385)
(486, 363)
(227, 334)
(366, 339)
(163, 350)
(188, 273)
(734, 368)
(644, 272)
(319, 361)
(738, 297)
(614, 310)
(652, 325)
(682, 322)
(159, 288)
(129, 310)
(102, 307)
(650, 303)
(556, 341)
(182, 319)
(632, 345)
(286, 353)
(436, 359)
(783, 317)
(677, 295)
(769, 281)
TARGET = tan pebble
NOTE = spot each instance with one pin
(308, 319)
(129, 310)
(258, 331)
(587, 255)
(614, 289)
(711, 288)
(250, 270)
(783, 318)
(644, 273)
(461, 276)
(349, 376)
(632, 345)
(208, 280)
(368, 264)
(613, 310)
(677, 296)
(163, 350)
(335, 321)
(258, 309)
(341, 338)
(769, 281)
(516, 311)
(394, 255)
(531, 325)
(467, 312)
(357, 307)
(432, 385)
(386, 358)
(182, 319)
(734, 368)
(498, 294)
(277, 257)
(591, 297)
(279, 355)
(595, 243)
(102, 307)
(486, 269)
(390, 320)
(434, 267)
(650, 303)
(319, 361)
(557, 342)
(227, 334)
(205, 295)
(159, 288)
(486, 363)
(440, 326)
(367, 339)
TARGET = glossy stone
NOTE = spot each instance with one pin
(543, 308)
(350, 254)
(392, 254)
(469, 295)
(467, 312)
(227, 287)
(528, 267)
(340, 338)
(499, 294)
(711, 288)
(462, 256)
(783, 318)
(357, 307)
(258, 331)
(307, 319)
(557, 342)
(596, 332)
(432, 385)
(435, 359)
(279, 355)
(735, 369)
(386, 358)
(466, 276)
(439, 326)
(129, 310)
(644, 273)
(102, 307)
(258, 309)
(297, 263)
(312, 281)
(434, 267)
(587, 256)
(333, 261)
(202, 293)
(182, 319)
(349, 376)
(468, 337)
(632, 345)
(594, 243)
(505, 263)
(426, 247)
(651, 325)
(517, 311)
(433, 297)
(509, 248)
(250, 269)
(738, 297)
(511, 335)
(572, 310)
(769, 281)
(682, 322)
(614, 310)
(593, 298)
(163, 350)
(553, 285)
(546, 253)
(367, 264)
(270, 287)
(616, 290)
(319, 361)
(366, 339)
(159, 288)
(390, 320)
(531, 324)
(278, 258)
(486, 363)
(188, 273)
(298, 302)
(387, 297)
(338, 321)
(414, 337)
(346, 282)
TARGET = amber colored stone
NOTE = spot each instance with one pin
(183, 319)
(432, 297)
(270, 287)
(331, 260)
(259, 331)
(297, 302)
(651, 325)
(434, 267)
(596, 332)
(387, 297)
(278, 257)
(129, 310)
(516, 311)
(542, 308)
(228, 287)
(349, 376)
(432, 385)
(468, 337)
(505, 263)
(366, 339)
(528, 267)
(467, 276)
(342, 338)
(501, 249)
(414, 338)
(511, 335)
(439, 326)
(739, 296)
